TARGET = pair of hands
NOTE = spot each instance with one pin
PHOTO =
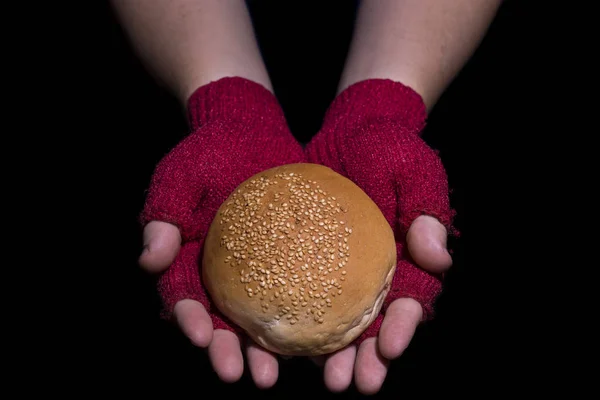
(368, 364)
(228, 145)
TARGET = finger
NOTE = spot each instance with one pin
(398, 327)
(426, 239)
(226, 355)
(177, 190)
(371, 367)
(338, 369)
(194, 322)
(162, 242)
(263, 365)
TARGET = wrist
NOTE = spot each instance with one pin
(233, 98)
(196, 80)
(377, 99)
(409, 75)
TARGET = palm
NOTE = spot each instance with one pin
(424, 243)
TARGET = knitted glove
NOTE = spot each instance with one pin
(371, 135)
(237, 130)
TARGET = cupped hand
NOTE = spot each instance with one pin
(162, 249)
(237, 130)
(371, 135)
(368, 364)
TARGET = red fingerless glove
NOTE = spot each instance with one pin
(237, 130)
(371, 135)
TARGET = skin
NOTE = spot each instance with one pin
(186, 44)
(421, 43)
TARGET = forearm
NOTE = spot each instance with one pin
(188, 43)
(421, 43)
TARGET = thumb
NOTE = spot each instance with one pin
(162, 242)
(426, 239)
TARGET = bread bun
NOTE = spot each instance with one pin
(300, 258)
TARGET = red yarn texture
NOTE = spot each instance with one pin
(237, 130)
(371, 135)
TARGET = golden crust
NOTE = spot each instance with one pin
(300, 258)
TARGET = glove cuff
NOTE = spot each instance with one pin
(375, 99)
(233, 98)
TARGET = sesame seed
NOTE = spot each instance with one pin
(260, 224)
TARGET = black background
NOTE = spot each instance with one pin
(304, 45)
